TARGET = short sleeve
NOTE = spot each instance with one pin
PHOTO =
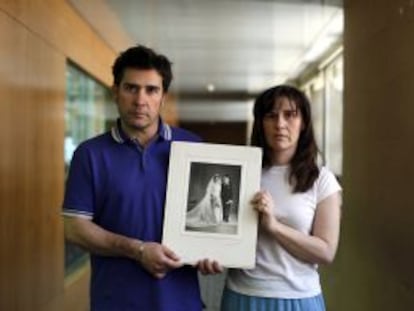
(78, 200)
(327, 184)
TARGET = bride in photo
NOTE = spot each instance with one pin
(209, 210)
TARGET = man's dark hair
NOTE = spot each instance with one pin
(303, 168)
(141, 57)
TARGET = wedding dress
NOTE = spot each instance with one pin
(207, 211)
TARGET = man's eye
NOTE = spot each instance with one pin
(131, 88)
(152, 89)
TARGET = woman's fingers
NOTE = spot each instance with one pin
(207, 266)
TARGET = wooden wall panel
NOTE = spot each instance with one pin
(31, 134)
(105, 22)
(78, 283)
(37, 37)
(58, 24)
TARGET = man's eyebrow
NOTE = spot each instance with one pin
(130, 84)
(153, 85)
(139, 85)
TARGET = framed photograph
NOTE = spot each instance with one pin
(208, 212)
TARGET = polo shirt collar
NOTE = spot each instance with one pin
(164, 131)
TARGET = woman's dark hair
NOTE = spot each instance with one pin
(303, 168)
(141, 57)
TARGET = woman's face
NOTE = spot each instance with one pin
(282, 126)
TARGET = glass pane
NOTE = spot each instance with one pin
(87, 108)
(315, 93)
(334, 112)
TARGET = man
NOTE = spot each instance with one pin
(115, 195)
(226, 197)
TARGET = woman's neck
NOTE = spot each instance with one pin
(281, 158)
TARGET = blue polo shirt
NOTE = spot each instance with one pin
(121, 187)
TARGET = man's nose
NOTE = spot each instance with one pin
(140, 97)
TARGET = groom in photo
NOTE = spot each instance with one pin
(226, 197)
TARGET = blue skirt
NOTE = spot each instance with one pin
(232, 301)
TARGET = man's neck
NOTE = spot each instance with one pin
(144, 136)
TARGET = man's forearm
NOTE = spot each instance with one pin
(97, 240)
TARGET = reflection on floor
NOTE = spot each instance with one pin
(211, 290)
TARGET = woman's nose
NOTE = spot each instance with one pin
(280, 121)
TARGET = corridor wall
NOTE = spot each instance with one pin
(37, 37)
(374, 268)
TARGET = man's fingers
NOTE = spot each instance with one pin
(172, 264)
(159, 275)
(171, 259)
(158, 260)
(170, 254)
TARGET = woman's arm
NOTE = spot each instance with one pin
(319, 247)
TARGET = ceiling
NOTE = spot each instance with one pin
(230, 48)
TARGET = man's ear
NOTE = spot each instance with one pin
(163, 99)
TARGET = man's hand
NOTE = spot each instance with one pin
(157, 259)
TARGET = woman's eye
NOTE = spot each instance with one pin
(290, 114)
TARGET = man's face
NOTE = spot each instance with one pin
(226, 180)
(139, 97)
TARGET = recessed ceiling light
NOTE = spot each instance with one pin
(210, 87)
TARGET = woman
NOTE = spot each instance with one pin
(299, 211)
(207, 211)
(215, 198)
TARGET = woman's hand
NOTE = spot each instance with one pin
(207, 266)
(317, 247)
(263, 203)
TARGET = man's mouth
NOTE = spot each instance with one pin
(138, 114)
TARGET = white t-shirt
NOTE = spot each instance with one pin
(277, 273)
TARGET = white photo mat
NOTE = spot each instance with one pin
(201, 233)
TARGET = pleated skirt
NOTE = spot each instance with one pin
(232, 301)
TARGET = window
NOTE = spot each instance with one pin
(325, 91)
(88, 112)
